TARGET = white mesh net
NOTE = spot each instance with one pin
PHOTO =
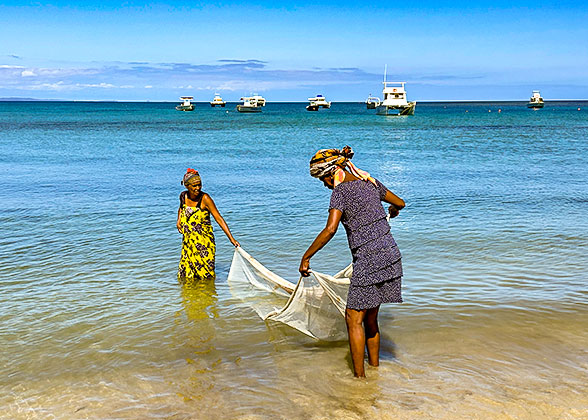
(314, 306)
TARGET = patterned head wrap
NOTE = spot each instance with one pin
(191, 177)
(333, 162)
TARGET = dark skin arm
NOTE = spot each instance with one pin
(178, 224)
(208, 204)
(320, 241)
(396, 202)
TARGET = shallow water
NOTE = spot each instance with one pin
(94, 325)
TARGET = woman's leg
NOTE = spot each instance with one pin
(372, 333)
(354, 320)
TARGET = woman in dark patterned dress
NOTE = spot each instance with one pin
(198, 246)
(377, 267)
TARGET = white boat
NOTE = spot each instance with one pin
(317, 102)
(394, 102)
(217, 101)
(186, 104)
(251, 104)
(372, 102)
(536, 100)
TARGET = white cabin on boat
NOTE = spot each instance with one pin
(394, 94)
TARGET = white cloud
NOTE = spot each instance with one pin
(62, 86)
(59, 86)
(233, 77)
(94, 85)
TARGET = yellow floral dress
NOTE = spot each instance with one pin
(198, 246)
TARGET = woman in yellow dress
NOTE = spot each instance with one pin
(198, 246)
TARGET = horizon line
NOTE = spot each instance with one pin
(19, 99)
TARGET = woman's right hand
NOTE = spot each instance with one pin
(179, 226)
(304, 267)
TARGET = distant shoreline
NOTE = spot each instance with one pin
(431, 101)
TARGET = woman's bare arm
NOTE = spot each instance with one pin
(208, 204)
(396, 202)
(393, 199)
(178, 221)
(321, 240)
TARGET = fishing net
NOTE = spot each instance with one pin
(314, 306)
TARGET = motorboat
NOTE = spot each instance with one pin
(372, 102)
(186, 104)
(317, 102)
(394, 102)
(217, 101)
(251, 104)
(536, 101)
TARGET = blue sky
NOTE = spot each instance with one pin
(288, 51)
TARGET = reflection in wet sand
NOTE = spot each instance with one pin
(199, 309)
(199, 299)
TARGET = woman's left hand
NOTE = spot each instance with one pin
(304, 268)
(235, 243)
(393, 211)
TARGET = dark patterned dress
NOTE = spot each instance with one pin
(377, 263)
(198, 246)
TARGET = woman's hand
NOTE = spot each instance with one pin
(179, 226)
(235, 243)
(393, 211)
(304, 267)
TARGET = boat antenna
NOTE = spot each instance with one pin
(385, 70)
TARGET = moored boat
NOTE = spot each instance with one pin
(536, 101)
(317, 102)
(394, 102)
(186, 104)
(372, 102)
(217, 101)
(251, 104)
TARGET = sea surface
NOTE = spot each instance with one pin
(94, 324)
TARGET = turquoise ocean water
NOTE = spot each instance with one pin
(94, 325)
